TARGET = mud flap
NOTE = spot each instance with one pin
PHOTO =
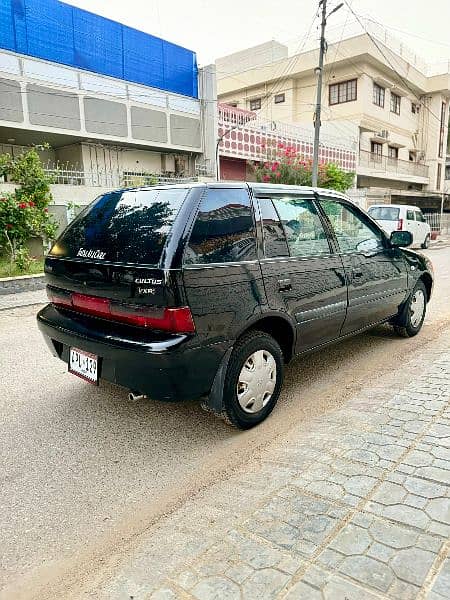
(214, 402)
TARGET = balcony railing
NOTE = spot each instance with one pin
(387, 165)
(113, 179)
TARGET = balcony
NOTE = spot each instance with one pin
(385, 167)
(245, 135)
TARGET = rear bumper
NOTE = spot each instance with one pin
(163, 368)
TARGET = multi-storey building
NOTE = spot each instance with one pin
(117, 106)
(398, 105)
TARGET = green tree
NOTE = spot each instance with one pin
(24, 212)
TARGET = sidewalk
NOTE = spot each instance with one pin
(354, 504)
(8, 301)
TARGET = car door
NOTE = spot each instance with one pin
(302, 274)
(422, 226)
(411, 225)
(376, 272)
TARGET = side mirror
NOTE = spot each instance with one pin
(401, 239)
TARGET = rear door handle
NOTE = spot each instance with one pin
(284, 285)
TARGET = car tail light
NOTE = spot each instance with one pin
(60, 297)
(400, 225)
(175, 320)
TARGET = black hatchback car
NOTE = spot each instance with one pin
(207, 290)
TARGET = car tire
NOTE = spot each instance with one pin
(410, 320)
(248, 399)
(426, 242)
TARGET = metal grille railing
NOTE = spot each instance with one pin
(439, 222)
(112, 179)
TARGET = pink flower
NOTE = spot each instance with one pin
(275, 166)
(278, 174)
(9, 226)
(266, 178)
(31, 204)
(45, 209)
(23, 205)
(280, 145)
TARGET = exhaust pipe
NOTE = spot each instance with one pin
(135, 396)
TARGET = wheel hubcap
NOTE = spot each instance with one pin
(256, 381)
(417, 308)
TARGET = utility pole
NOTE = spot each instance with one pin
(319, 73)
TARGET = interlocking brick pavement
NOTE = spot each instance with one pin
(354, 504)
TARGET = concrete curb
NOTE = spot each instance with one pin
(23, 283)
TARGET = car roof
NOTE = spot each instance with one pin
(257, 188)
(410, 206)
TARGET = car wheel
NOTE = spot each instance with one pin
(410, 320)
(253, 381)
(426, 242)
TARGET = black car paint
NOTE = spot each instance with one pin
(225, 300)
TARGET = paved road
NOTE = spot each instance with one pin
(84, 470)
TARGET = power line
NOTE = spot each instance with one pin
(400, 77)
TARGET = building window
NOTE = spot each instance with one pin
(415, 108)
(395, 103)
(343, 92)
(447, 172)
(412, 156)
(438, 176)
(279, 98)
(393, 152)
(442, 129)
(255, 104)
(378, 95)
(376, 148)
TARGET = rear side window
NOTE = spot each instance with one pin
(410, 215)
(275, 243)
(123, 226)
(384, 213)
(304, 230)
(224, 230)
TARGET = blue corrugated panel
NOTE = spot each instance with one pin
(50, 31)
(179, 64)
(7, 39)
(58, 32)
(137, 45)
(98, 44)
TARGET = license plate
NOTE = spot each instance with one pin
(84, 364)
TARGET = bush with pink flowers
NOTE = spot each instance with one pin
(285, 165)
(24, 212)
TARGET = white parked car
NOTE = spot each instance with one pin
(401, 217)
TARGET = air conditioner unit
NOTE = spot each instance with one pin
(384, 133)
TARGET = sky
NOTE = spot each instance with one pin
(213, 29)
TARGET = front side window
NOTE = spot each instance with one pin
(395, 103)
(343, 92)
(419, 216)
(275, 243)
(353, 233)
(224, 230)
(378, 95)
(304, 230)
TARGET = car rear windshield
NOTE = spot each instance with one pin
(123, 226)
(384, 213)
